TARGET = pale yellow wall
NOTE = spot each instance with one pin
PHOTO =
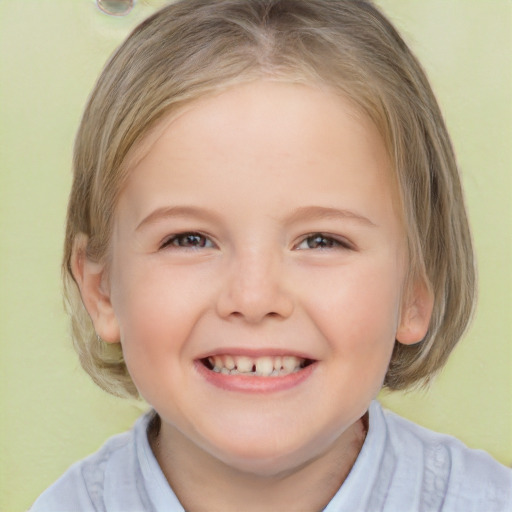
(50, 53)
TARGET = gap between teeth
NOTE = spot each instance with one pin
(266, 366)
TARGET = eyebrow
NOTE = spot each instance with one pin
(299, 214)
(322, 212)
(175, 211)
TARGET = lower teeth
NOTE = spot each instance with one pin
(275, 373)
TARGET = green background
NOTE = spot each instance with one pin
(51, 52)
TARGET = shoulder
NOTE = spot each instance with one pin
(89, 483)
(447, 472)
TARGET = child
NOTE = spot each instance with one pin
(266, 226)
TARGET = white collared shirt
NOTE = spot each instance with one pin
(402, 467)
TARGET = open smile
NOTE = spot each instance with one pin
(262, 374)
(265, 366)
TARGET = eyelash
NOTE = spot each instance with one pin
(174, 241)
(324, 241)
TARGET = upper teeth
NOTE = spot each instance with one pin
(267, 366)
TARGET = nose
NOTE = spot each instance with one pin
(254, 288)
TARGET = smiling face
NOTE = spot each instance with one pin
(256, 274)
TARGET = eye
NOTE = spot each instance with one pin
(323, 241)
(188, 241)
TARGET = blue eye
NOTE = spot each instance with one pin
(188, 241)
(321, 241)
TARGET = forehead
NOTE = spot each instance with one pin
(255, 132)
(255, 99)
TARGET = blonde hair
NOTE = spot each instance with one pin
(195, 47)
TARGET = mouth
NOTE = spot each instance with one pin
(264, 366)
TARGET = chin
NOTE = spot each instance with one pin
(262, 458)
(264, 465)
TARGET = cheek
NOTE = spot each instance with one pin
(156, 308)
(357, 310)
(156, 314)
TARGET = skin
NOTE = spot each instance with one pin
(256, 172)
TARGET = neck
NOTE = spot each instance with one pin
(204, 483)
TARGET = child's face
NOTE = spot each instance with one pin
(261, 224)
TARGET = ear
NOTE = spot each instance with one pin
(416, 312)
(92, 281)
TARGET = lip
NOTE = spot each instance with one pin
(255, 353)
(254, 384)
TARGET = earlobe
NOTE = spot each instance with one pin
(91, 279)
(416, 313)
